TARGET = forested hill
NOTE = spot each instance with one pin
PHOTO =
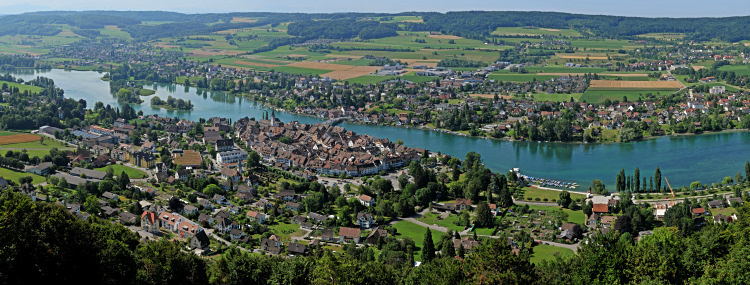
(477, 24)
(471, 24)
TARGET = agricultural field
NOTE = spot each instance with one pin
(599, 96)
(15, 175)
(634, 85)
(29, 142)
(664, 36)
(544, 252)
(604, 44)
(590, 56)
(515, 31)
(300, 70)
(514, 77)
(18, 139)
(565, 70)
(737, 69)
(415, 232)
(117, 168)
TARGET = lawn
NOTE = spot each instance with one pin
(287, 231)
(131, 172)
(542, 97)
(31, 152)
(724, 211)
(434, 219)
(577, 217)
(23, 87)
(7, 133)
(533, 193)
(15, 175)
(547, 252)
(48, 144)
(411, 230)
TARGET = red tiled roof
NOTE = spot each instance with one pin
(349, 232)
(151, 216)
(601, 208)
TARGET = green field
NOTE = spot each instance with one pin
(577, 217)
(434, 219)
(563, 69)
(604, 44)
(663, 36)
(23, 87)
(544, 252)
(728, 88)
(521, 77)
(7, 133)
(598, 96)
(15, 175)
(737, 69)
(131, 172)
(31, 152)
(533, 193)
(542, 97)
(512, 31)
(300, 70)
(287, 231)
(411, 230)
(48, 144)
(724, 211)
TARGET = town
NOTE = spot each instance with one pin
(99, 180)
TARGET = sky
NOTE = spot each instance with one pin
(642, 8)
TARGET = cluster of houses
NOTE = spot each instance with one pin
(322, 149)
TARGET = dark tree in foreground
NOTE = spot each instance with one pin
(428, 248)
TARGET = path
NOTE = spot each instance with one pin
(414, 218)
(574, 247)
(210, 233)
(535, 203)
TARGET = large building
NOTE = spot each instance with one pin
(232, 156)
(143, 159)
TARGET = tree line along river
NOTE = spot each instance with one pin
(682, 159)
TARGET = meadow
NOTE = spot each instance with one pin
(415, 232)
(117, 169)
(544, 252)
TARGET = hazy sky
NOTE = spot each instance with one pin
(647, 8)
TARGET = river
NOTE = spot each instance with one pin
(682, 159)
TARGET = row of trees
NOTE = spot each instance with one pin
(68, 248)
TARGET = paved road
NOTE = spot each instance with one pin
(210, 232)
(574, 247)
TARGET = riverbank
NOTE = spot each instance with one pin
(692, 158)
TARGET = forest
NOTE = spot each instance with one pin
(42, 243)
(470, 24)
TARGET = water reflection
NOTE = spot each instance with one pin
(683, 159)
